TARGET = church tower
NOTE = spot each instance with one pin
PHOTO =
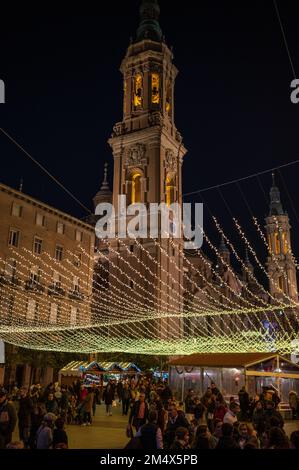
(148, 155)
(280, 262)
(147, 147)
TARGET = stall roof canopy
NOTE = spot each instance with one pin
(222, 359)
(77, 368)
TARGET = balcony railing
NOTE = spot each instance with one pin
(76, 295)
(11, 281)
(53, 289)
(34, 286)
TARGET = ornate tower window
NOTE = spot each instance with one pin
(155, 88)
(277, 243)
(284, 243)
(270, 244)
(125, 96)
(135, 180)
(168, 98)
(281, 283)
(137, 96)
(170, 189)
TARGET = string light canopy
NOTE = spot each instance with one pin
(126, 317)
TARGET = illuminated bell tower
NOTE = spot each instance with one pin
(147, 148)
(280, 262)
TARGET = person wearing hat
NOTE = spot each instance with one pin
(8, 419)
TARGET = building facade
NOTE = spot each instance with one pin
(46, 264)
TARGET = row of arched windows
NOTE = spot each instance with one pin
(280, 244)
(135, 188)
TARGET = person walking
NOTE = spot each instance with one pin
(108, 397)
(139, 412)
(125, 399)
(8, 419)
(87, 407)
(24, 416)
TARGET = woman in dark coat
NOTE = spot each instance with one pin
(108, 396)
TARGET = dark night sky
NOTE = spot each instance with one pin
(233, 108)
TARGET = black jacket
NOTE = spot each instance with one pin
(172, 426)
(227, 442)
(8, 420)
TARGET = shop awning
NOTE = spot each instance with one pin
(221, 359)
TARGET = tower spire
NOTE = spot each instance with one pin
(275, 202)
(105, 184)
(104, 194)
(149, 27)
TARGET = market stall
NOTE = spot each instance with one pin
(96, 372)
(231, 371)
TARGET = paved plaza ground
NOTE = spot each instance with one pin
(106, 432)
(109, 432)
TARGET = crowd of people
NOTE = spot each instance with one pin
(41, 414)
(156, 420)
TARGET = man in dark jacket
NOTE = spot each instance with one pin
(139, 412)
(24, 416)
(176, 420)
(244, 403)
(227, 441)
(119, 389)
(150, 434)
(8, 419)
(189, 401)
(108, 397)
(166, 394)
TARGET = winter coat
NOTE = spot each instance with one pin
(109, 395)
(44, 437)
(258, 421)
(8, 420)
(24, 413)
(227, 442)
(244, 400)
(88, 402)
(52, 406)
